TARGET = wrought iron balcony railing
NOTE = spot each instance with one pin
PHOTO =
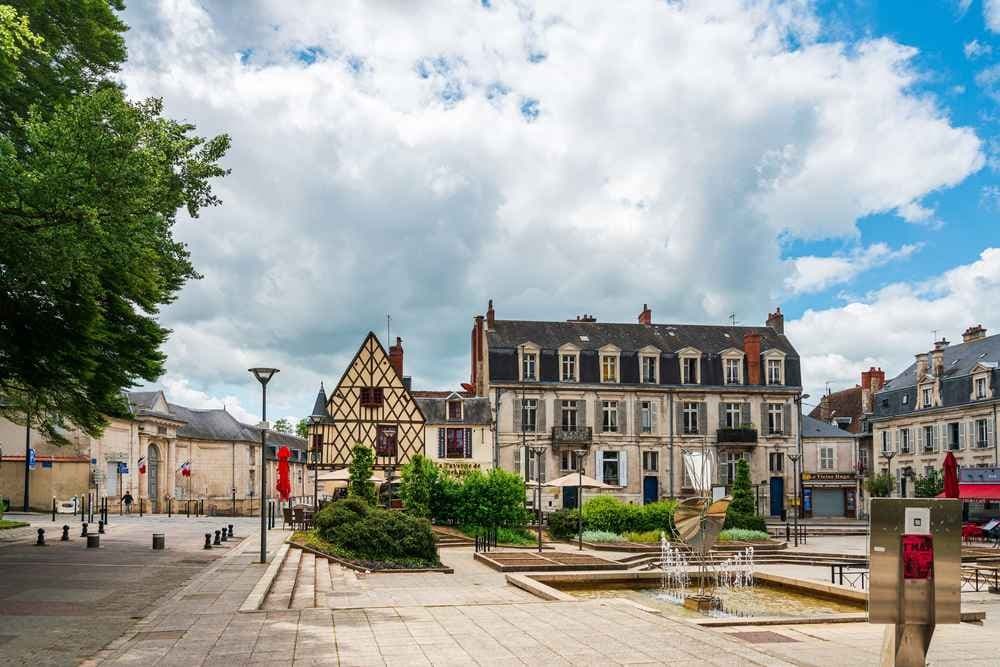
(736, 435)
(574, 436)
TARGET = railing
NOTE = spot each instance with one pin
(975, 578)
(845, 576)
(736, 435)
(486, 540)
(577, 436)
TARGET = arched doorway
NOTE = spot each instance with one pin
(153, 476)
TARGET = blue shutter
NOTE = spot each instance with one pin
(468, 443)
(441, 451)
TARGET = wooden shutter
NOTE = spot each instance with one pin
(622, 409)
(540, 462)
(765, 419)
(722, 413)
(961, 435)
(581, 414)
(702, 418)
(679, 417)
(517, 460)
(989, 432)
(786, 418)
(540, 415)
(623, 468)
(653, 415)
(599, 467)
(517, 414)
(442, 453)
(745, 413)
(637, 412)
(468, 443)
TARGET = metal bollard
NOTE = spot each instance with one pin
(93, 541)
(83, 533)
(159, 541)
(208, 540)
(53, 509)
(218, 539)
(230, 530)
(170, 507)
(225, 534)
(65, 535)
(41, 538)
(100, 527)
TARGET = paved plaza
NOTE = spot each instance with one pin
(125, 604)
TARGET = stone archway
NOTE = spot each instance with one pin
(153, 477)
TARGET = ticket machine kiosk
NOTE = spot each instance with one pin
(915, 556)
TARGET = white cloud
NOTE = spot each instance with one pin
(976, 49)
(577, 157)
(894, 323)
(989, 80)
(991, 13)
(915, 212)
(814, 274)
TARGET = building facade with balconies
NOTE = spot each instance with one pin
(627, 400)
(946, 400)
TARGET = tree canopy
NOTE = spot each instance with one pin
(90, 187)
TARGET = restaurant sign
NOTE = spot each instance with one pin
(828, 476)
(458, 469)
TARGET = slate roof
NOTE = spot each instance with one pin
(844, 403)
(212, 424)
(142, 399)
(959, 359)
(474, 410)
(631, 337)
(814, 428)
(319, 407)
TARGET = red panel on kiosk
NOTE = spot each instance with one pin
(918, 557)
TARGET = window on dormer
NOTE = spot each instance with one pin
(609, 368)
(529, 363)
(568, 368)
(649, 370)
(926, 397)
(733, 371)
(455, 410)
(689, 370)
(774, 371)
(980, 388)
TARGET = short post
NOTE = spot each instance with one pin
(230, 530)
(159, 541)
(41, 538)
(65, 535)
(203, 507)
(100, 527)
(93, 541)
(225, 534)
(53, 509)
(83, 533)
(234, 503)
(140, 507)
(218, 539)
(187, 505)
(208, 540)
(170, 507)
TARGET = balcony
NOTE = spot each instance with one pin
(578, 436)
(739, 436)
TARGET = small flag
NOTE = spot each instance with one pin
(142, 465)
(186, 469)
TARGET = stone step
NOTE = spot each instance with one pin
(280, 595)
(324, 583)
(304, 592)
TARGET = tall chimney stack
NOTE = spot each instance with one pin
(646, 316)
(973, 333)
(776, 321)
(751, 348)
(490, 315)
(396, 357)
(872, 381)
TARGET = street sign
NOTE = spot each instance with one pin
(31, 458)
(46, 464)
(122, 468)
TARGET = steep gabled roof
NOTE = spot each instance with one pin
(844, 403)
(814, 428)
(435, 409)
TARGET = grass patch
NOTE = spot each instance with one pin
(311, 539)
(6, 524)
(601, 536)
(514, 537)
(645, 537)
(742, 535)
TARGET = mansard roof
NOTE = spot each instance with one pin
(435, 408)
(959, 359)
(631, 337)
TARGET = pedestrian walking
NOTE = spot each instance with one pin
(127, 499)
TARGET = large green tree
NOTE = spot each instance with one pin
(91, 184)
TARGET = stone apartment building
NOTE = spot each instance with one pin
(946, 400)
(458, 431)
(831, 484)
(634, 397)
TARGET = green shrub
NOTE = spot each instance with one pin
(419, 478)
(385, 535)
(334, 515)
(495, 498)
(656, 516)
(742, 535)
(564, 524)
(446, 498)
(362, 465)
(601, 536)
(517, 536)
(742, 512)
(609, 514)
(880, 486)
(646, 537)
(745, 521)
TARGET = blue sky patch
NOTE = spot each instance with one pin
(309, 54)
(529, 109)
(245, 55)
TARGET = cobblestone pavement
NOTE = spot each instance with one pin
(61, 603)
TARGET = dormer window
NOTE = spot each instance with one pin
(569, 363)
(609, 363)
(528, 362)
(649, 370)
(734, 371)
(980, 388)
(455, 410)
(774, 367)
(649, 365)
(690, 359)
(926, 396)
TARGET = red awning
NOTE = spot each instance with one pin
(977, 492)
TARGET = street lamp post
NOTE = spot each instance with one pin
(263, 376)
(798, 449)
(580, 453)
(887, 455)
(539, 452)
(795, 471)
(315, 455)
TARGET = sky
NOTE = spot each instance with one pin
(838, 159)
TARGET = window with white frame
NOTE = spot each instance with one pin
(928, 438)
(732, 412)
(690, 416)
(609, 368)
(734, 371)
(529, 365)
(609, 416)
(775, 418)
(775, 369)
(649, 373)
(863, 460)
(646, 416)
(980, 388)
(954, 436)
(904, 441)
(886, 446)
(650, 461)
(568, 411)
(776, 461)
(826, 458)
(982, 433)
(689, 370)
(568, 460)
(925, 394)
(728, 467)
(529, 414)
(567, 364)
(610, 467)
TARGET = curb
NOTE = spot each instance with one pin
(259, 592)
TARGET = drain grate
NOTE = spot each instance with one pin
(762, 637)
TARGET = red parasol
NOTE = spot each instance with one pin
(284, 485)
(950, 476)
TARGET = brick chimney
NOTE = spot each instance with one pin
(973, 333)
(872, 381)
(646, 316)
(776, 320)
(584, 318)
(824, 408)
(490, 315)
(751, 348)
(921, 366)
(937, 357)
(396, 357)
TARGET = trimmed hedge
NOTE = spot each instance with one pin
(564, 524)
(607, 513)
(375, 534)
(744, 521)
